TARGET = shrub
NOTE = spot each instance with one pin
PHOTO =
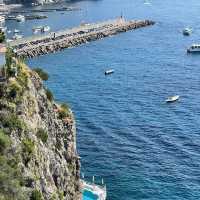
(10, 181)
(63, 111)
(36, 195)
(43, 75)
(28, 147)
(4, 142)
(42, 134)
(22, 79)
(14, 89)
(65, 106)
(49, 95)
(62, 114)
(12, 122)
(2, 36)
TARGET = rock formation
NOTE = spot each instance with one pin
(42, 135)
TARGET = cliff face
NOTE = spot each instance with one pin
(42, 135)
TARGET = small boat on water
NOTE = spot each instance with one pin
(17, 37)
(20, 18)
(9, 40)
(45, 29)
(37, 29)
(187, 31)
(172, 99)
(195, 48)
(146, 2)
(16, 31)
(3, 28)
(110, 71)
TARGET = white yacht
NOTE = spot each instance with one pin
(187, 31)
(195, 48)
(172, 99)
(20, 18)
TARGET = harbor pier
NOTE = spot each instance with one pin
(55, 41)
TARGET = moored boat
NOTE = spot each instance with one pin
(45, 29)
(20, 18)
(16, 31)
(195, 48)
(172, 99)
(187, 31)
(16, 37)
(110, 71)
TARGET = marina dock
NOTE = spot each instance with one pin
(55, 41)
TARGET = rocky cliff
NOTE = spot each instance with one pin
(39, 139)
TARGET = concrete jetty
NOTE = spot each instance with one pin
(56, 41)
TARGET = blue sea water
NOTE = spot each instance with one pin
(126, 133)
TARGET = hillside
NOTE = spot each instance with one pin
(38, 157)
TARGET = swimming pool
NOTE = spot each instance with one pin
(87, 195)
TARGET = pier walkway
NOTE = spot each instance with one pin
(55, 41)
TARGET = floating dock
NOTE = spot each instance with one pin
(56, 41)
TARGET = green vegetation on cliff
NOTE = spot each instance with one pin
(38, 159)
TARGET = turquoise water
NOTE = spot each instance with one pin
(87, 195)
(126, 134)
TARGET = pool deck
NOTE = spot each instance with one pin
(98, 190)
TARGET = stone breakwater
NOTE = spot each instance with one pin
(52, 42)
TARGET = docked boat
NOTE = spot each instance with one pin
(37, 29)
(2, 20)
(195, 48)
(3, 28)
(9, 40)
(111, 71)
(20, 18)
(16, 31)
(172, 99)
(45, 29)
(17, 37)
(187, 31)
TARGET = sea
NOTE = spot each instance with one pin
(127, 134)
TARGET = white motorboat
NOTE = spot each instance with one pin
(187, 31)
(45, 29)
(17, 37)
(3, 29)
(195, 48)
(9, 40)
(20, 18)
(37, 29)
(16, 31)
(2, 20)
(172, 99)
(110, 71)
